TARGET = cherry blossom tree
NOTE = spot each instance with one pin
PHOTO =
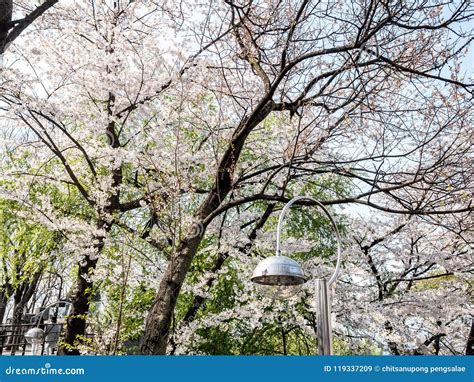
(93, 193)
(407, 287)
(178, 133)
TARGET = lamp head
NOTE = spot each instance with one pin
(34, 336)
(279, 277)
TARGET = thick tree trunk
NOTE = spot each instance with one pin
(159, 318)
(80, 300)
(6, 8)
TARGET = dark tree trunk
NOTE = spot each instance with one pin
(3, 305)
(6, 8)
(80, 300)
(5, 293)
(470, 340)
(159, 318)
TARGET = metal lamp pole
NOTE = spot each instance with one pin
(281, 271)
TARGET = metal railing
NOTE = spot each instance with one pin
(13, 342)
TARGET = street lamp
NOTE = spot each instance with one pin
(35, 336)
(282, 277)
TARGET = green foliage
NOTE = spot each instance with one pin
(361, 347)
(122, 318)
(25, 247)
(434, 280)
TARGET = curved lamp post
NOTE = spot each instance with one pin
(35, 336)
(282, 277)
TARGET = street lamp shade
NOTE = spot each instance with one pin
(34, 336)
(279, 277)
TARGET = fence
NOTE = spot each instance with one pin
(13, 342)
